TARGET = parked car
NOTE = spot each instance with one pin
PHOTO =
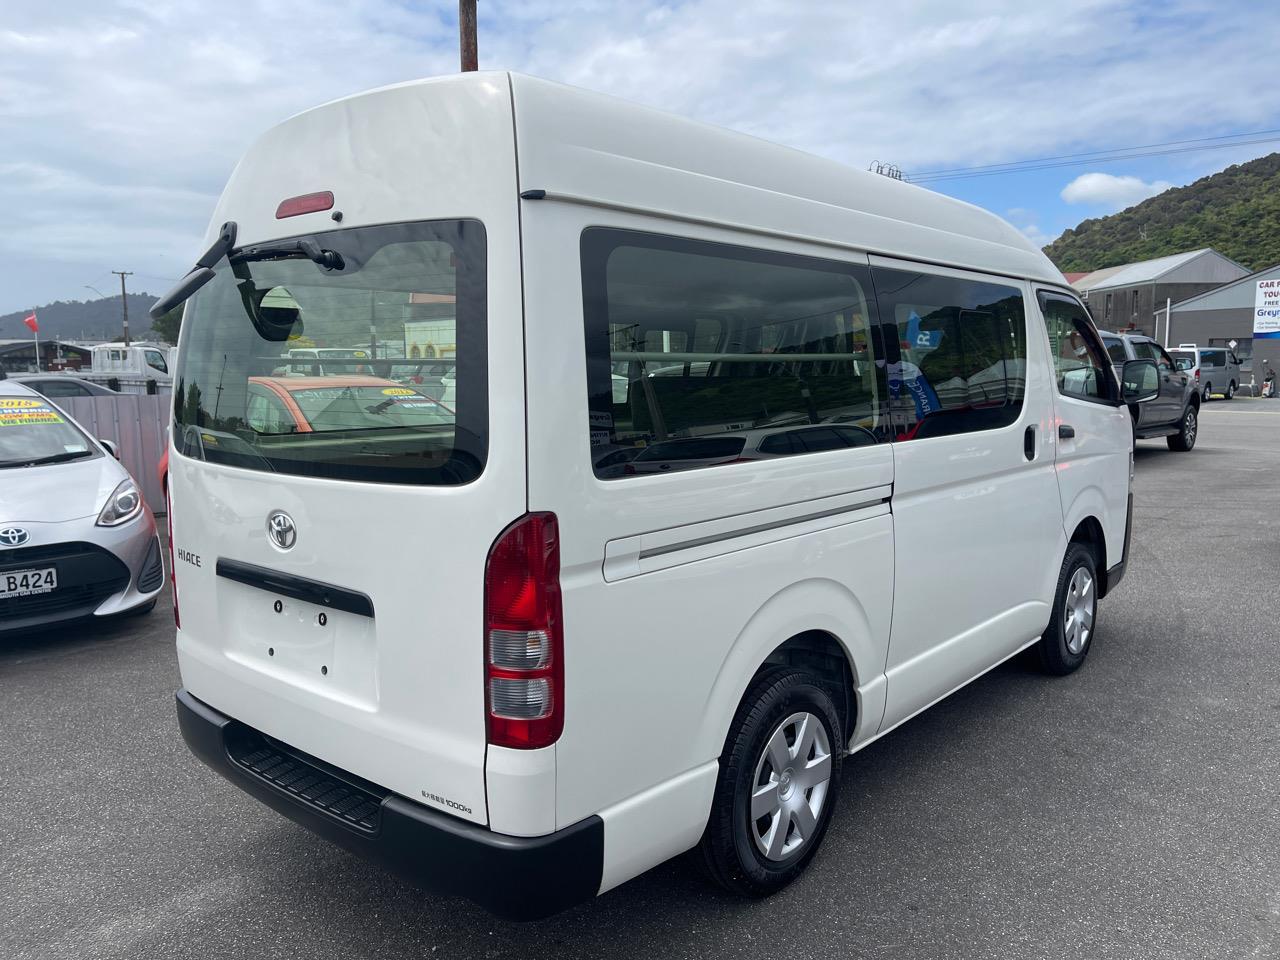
(57, 386)
(76, 538)
(280, 405)
(1212, 369)
(489, 659)
(1175, 412)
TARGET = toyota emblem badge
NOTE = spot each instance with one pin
(281, 529)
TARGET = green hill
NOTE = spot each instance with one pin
(88, 319)
(1237, 212)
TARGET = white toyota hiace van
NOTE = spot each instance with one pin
(749, 458)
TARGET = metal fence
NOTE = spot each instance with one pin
(137, 424)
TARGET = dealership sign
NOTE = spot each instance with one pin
(1266, 311)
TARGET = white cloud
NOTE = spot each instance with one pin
(1110, 191)
(135, 112)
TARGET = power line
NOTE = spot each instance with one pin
(1101, 159)
(1094, 153)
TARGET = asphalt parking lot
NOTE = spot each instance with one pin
(1130, 810)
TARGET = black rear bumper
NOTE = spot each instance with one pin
(519, 878)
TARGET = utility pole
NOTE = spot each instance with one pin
(467, 35)
(124, 301)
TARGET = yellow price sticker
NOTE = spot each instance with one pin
(398, 392)
(20, 404)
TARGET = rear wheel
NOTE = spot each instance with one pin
(1185, 438)
(1065, 644)
(1231, 390)
(778, 783)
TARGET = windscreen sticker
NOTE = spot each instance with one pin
(73, 447)
(22, 413)
(398, 392)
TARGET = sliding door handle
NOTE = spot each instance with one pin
(1029, 443)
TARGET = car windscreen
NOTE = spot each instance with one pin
(295, 363)
(32, 430)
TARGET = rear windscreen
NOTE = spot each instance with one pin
(368, 366)
(1183, 360)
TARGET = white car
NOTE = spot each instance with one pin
(76, 539)
(615, 665)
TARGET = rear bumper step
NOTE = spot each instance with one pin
(519, 878)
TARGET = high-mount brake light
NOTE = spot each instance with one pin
(307, 203)
(524, 636)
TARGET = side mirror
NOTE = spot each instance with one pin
(110, 447)
(1139, 381)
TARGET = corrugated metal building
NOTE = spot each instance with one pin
(1224, 314)
(1127, 297)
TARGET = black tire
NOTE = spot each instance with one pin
(1057, 655)
(1188, 430)
(1231, 391)
(728, 846)
(1207, 395)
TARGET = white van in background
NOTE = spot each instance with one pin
(503, 650)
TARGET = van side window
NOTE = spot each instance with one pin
(700, 354)
(963, 347)
(1081, 365)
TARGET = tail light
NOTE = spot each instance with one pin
(173, 570)
(1197, 374)
(524, 635)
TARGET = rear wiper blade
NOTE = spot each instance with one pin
(306, 247)
(200, 274)
(52, 458)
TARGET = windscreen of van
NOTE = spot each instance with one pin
(293, 367)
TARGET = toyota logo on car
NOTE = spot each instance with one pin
(13, 537)
(281, 530)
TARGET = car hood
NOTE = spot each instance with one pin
(57, 492)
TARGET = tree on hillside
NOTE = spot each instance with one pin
(168, 326)
(1236, 212)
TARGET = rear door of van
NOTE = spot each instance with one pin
(331, 522)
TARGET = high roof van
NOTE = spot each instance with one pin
(748, 458)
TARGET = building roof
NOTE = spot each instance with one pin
(1194, 266)
(1073, 277)
(1236, 295)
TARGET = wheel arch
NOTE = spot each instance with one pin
(818, 624)
(1089, 532)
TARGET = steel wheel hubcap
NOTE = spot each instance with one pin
(790, 786)
(1078, 610)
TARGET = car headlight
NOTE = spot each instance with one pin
(123, 505)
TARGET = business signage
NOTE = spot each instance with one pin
(1266, 311)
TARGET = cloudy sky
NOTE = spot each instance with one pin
(120, 119)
